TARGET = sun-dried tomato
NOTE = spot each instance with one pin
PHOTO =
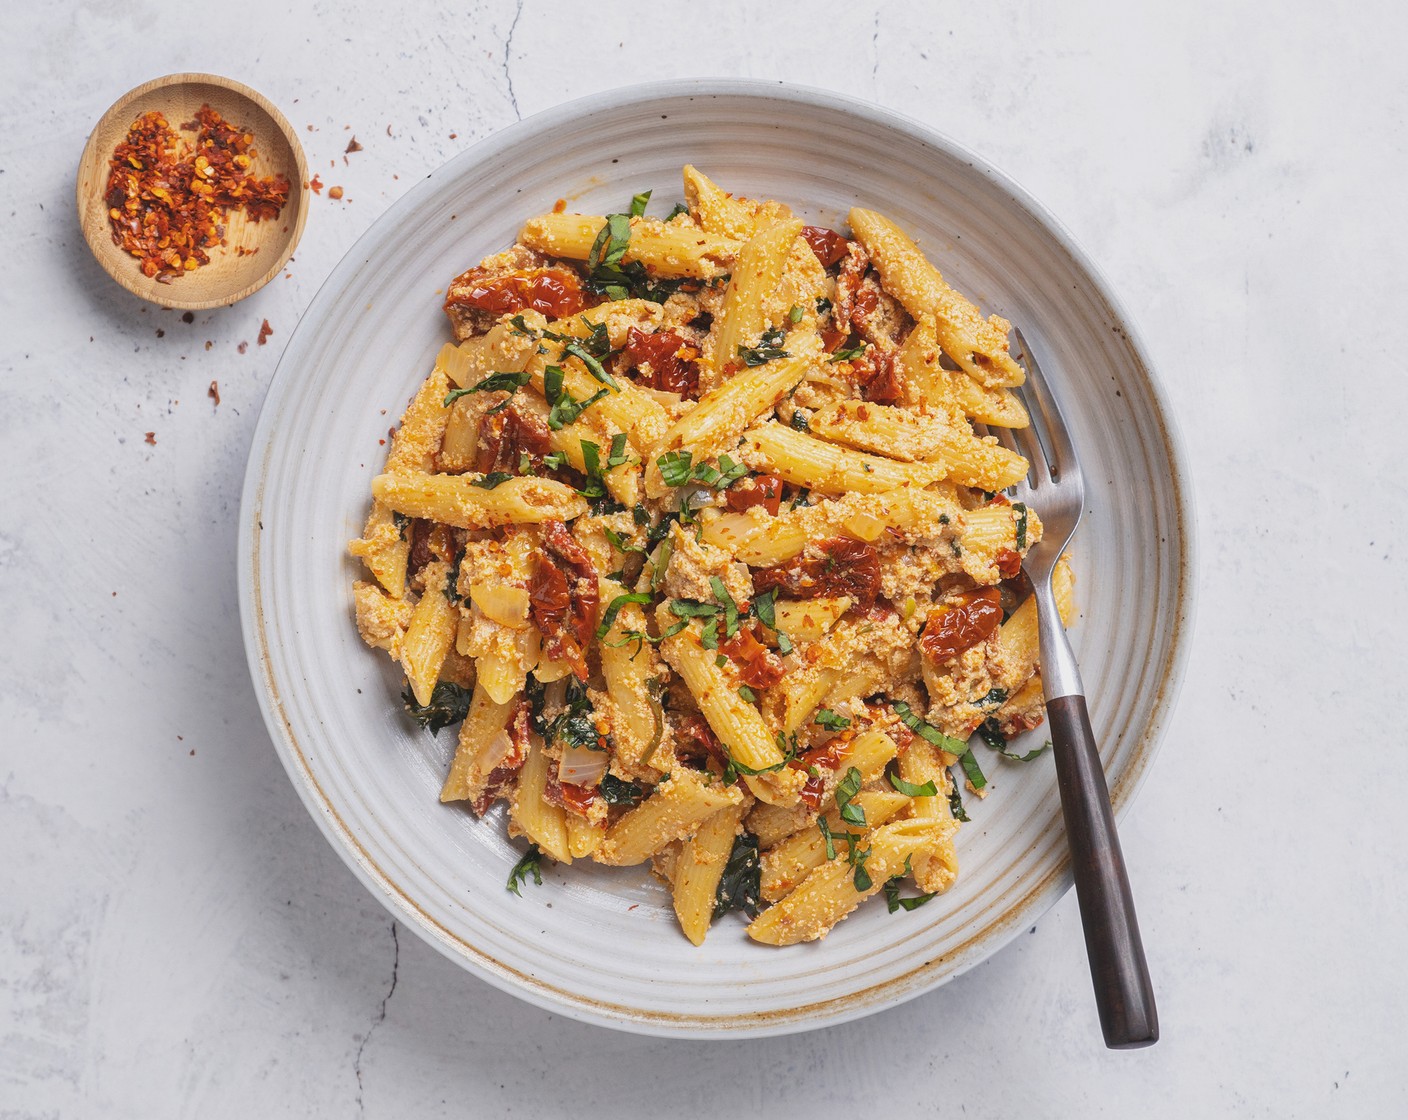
(563, 597)
(695, 739)
(577, 799)
(823, 760)
(419, 533)
(168, 202)
(828, 245)
(506, 435)
(974, 619)
(875, 370)
(554, 292)
(1009, 563)
(844, 567)
(765, 490)
(504, 777)
(672, 360)
(758, 666)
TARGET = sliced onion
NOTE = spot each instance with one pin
(581, 766)
(703, 497)
(864, 526)
(496, 750)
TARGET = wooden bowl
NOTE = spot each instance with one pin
(230, 275)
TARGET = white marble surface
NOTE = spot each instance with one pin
(176, 938)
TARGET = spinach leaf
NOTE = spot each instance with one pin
(740, 886)
(449, 703)
(530, 864)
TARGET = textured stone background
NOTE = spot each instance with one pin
(176, 939)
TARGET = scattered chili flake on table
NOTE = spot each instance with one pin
(315, 184)
(151, 438)
(242, 347)
(214, 393)
(353, 146)
(168, 202)
(265, 330)
(334, 192)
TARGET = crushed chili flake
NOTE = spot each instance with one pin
(168, 200)
(214, 391)
(265, 330)
(151, 438)
(353, 146)
(208, 344)
(242, 347)
(334, 192)
(315, 184)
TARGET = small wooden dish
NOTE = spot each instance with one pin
(230, 275)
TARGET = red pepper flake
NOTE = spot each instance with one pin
(169, 200)
(208, 344)
(315, 184)
(334, 193)
(214, 391)
(151, 438)
(264, 332)
(242, 347)
(454, 136)
(353, 146)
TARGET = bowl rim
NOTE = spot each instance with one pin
(1039, 896)
(93, 233)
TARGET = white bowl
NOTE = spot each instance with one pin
(600, 944)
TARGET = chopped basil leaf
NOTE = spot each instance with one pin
(992, 735)
(674, 467)
(618, 791)
(593, 364)
(973, 771)
(678, 209)
(927, 732)
(662, 563)
(909, 789)
(726, 601)
(846, 791)
(769, 348)
(530, 864)
(739, 887)
(709, 636)
(617, 456)
(765, 608)
(747, 694)
(619, 543)
(692, 608)
(795, 315)
(784, 643)
(823, 305)
(892, 893)
(449, 703)
(492, 479)
(862, 876)
(955, 804)
(1021, 524)
(638, 204)
(846, 354)
(614, 608)
(611, 242)
(452, 580)
(828, 719)
(799, 422)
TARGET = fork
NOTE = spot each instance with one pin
(1055, 488)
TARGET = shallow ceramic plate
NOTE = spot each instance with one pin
(597, 943)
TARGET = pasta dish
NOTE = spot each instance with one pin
(698, 533)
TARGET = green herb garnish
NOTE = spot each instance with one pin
(828, 719)
(846, 791)
(740, 885)
(769, 348)
(530, 864)
(909, 789)
(449, 703)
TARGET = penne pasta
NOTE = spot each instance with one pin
(978, 345)
(698, 869)
(649, 533)
(669, 249)
(457, 500)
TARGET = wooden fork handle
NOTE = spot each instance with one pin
(1123, 992)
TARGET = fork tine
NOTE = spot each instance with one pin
(1024, 441)
(1053, 425)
